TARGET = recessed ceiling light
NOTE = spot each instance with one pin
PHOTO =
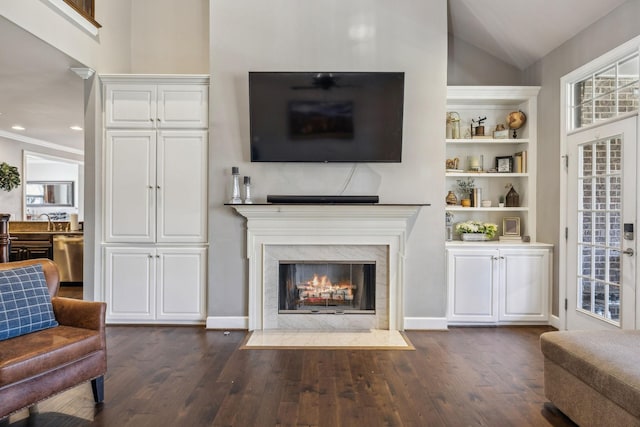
(17, 127)
(75, 128)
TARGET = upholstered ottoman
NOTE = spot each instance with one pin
(593, 377)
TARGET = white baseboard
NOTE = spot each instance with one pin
(227, 322)
(555, 322)
(425, 323)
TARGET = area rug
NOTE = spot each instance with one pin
(374, 339)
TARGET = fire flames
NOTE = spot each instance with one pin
(321, 290)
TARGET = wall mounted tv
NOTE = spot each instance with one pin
(326, 116)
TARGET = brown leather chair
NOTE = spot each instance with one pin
(40, 364)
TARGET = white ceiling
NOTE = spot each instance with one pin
(40, 92)
(520, 32)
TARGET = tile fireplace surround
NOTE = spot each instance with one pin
(324, 232)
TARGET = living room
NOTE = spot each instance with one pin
(226, 40)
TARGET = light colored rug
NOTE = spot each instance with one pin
(374, 339)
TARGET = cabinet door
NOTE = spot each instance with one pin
(130, 284)
(182, 186)
(181, 284)
(130, 186)
(524, 284)
(130, 106)
(183, 106)
(472, 285)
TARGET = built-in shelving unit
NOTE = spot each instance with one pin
(494, 103)
(496, 282)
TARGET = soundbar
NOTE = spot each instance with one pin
(295, 199)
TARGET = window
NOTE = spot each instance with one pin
(609, 92)
(86, 8)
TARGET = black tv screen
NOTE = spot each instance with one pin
(326, 116)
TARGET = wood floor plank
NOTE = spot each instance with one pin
(188, 376)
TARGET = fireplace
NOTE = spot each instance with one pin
(357, 299)
(335, 287)
(346, 233)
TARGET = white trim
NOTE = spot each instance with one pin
(83, 72)
(591, 67)
(227, 322)
(556, 322)
(327, 225)
(425, 323)
(73, 16)
(40, 142)
(603, 60)
(174, 79)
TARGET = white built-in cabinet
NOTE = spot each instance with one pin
(156, 186)
(496, 284)
(149, 284)
(140, 105)
(155, 198)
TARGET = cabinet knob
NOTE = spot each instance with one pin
(151, 119)
(158, 187)
(150, 256)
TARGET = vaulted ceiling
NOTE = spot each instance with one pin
(39, 92)
(520, 32)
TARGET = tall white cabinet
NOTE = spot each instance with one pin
(495, 282)
(155, 198)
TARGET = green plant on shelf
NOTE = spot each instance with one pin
(465, 187)
(487, 228)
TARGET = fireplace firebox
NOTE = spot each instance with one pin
(327, 287)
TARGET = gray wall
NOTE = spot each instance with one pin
(469, 65)
(611, 31)
(332, 35)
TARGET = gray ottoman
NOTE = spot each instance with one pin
(593, 377)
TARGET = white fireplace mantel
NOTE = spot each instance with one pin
(326, 224)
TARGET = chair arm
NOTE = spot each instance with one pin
(79, 313)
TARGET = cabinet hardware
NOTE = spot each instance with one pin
(628, 251)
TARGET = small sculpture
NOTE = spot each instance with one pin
(478, 130)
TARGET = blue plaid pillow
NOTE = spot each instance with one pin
(25, 303)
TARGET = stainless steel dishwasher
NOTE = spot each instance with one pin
(68, 255)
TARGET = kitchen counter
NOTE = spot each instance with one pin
(31, 227)
(33, 239)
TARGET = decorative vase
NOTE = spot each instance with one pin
(451, 198)
(474, 237)
(465, 203)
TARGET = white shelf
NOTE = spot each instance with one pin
(481, 209)
(487, 141)
(486, 175)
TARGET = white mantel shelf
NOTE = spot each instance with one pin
(327, 224)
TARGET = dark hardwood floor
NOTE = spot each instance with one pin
(188, 376)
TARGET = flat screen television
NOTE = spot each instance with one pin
(326, 116)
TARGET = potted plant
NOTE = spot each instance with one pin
(501, 201)
(476, 230)
(465, 187)
(9, 177)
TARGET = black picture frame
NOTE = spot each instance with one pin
(504, 164)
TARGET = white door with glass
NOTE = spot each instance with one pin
(601, 284)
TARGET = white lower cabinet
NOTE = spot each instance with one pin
(492, 284)
(155, 284)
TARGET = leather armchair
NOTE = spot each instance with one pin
(35, 366)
